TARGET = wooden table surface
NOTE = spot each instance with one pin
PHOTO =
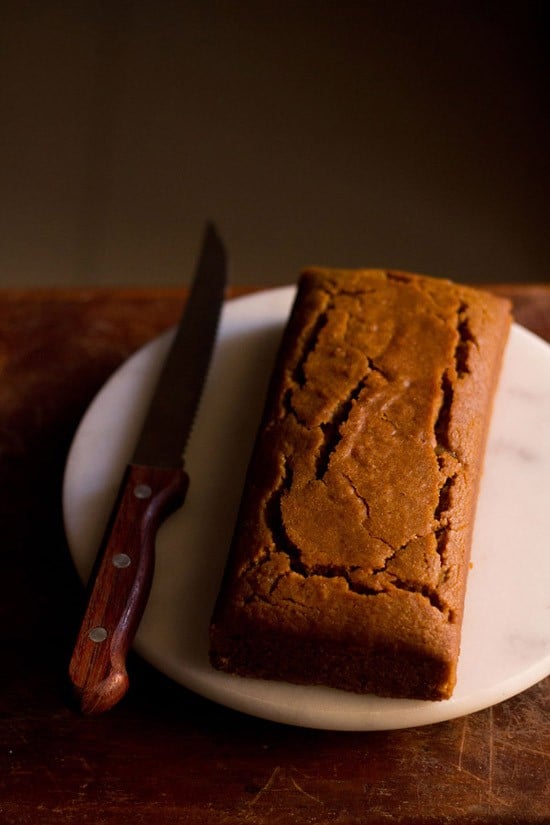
(165, 755)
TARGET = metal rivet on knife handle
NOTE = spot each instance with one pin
(121, 560)
(142, 491)
(98, 634)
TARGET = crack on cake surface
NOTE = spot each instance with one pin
(442, 431)
(298, 374)
(399, 277)
(332, 430)
(427, 592)
(274, 516)
(466, 339)
(444, 499)
(443, 420)
(357, 494)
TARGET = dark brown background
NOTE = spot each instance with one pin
(402, 134)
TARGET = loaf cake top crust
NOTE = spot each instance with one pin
(356, 523)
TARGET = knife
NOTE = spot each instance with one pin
(153, 486)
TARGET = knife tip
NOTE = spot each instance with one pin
(213, 241)
(211, 228)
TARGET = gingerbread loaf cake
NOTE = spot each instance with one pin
(350, 556)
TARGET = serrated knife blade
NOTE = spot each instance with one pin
(154, 484)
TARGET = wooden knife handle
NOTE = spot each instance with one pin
(120, 584)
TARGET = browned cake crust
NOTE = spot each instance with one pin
(349, 561)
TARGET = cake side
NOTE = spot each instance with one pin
(350, 556)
